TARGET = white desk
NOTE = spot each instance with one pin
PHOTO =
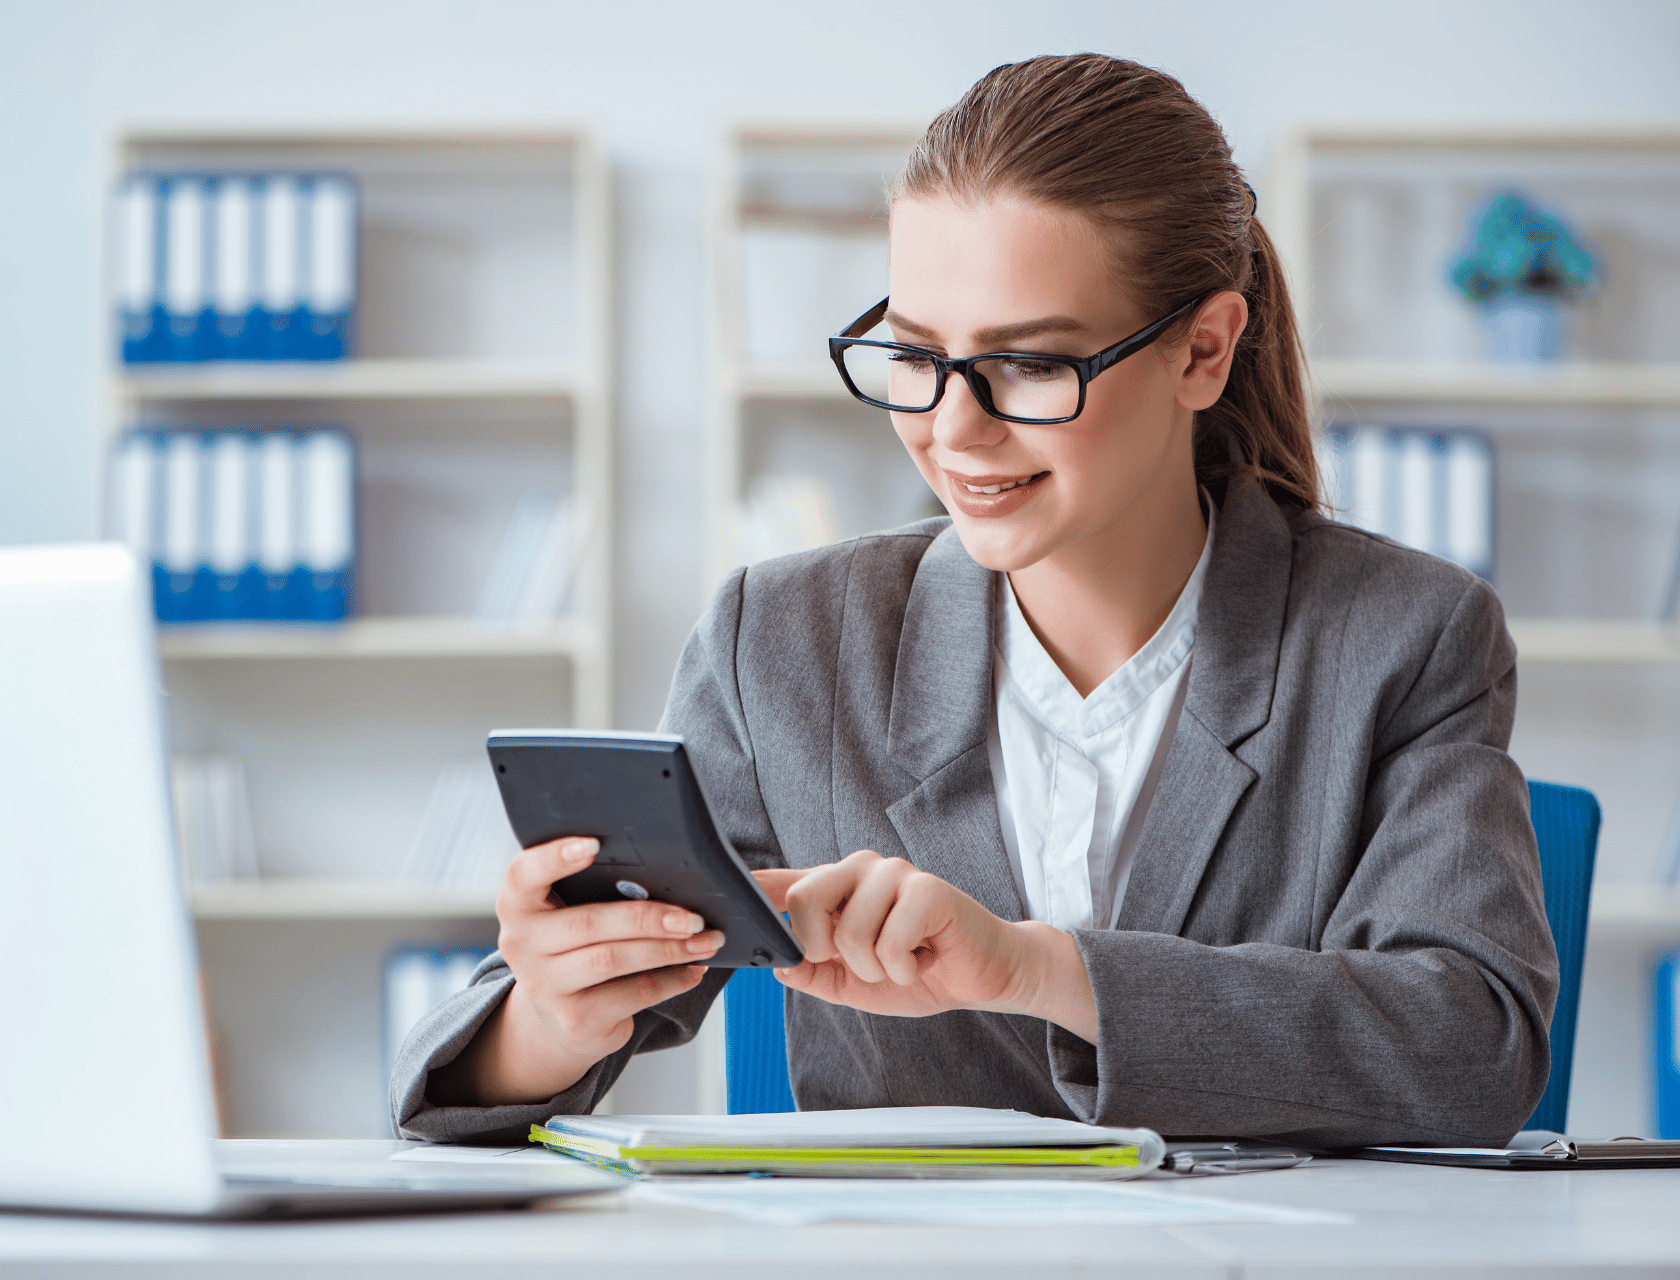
(1410, 1220)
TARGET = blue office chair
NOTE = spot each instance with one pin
(1566, 821)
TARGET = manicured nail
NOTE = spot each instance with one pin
(576, 850)
(705, 944)
(683, 922)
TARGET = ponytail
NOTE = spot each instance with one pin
(1128, 147)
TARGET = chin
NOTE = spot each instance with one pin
(998, 549)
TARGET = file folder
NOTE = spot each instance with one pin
(235, 274)
(140, 249)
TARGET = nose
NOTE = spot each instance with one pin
(960, 423)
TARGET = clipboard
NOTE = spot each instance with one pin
(1537, 1149)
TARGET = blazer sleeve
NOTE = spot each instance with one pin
(705, 708)
(1422, 1015)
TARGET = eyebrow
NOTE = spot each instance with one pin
(999, 334)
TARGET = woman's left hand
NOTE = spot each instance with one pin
(881, 936)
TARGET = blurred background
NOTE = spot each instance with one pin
(442, 354)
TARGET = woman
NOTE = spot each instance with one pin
(1135, 792)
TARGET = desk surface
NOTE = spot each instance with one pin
(1409, 1220)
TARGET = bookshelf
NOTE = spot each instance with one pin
(796, 246)
(482, 370)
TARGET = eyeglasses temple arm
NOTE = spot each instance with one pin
(867, 321)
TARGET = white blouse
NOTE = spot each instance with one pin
(1074, 776)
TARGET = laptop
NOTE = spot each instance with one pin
(109, 1103)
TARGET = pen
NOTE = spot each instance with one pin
(1230, 1159)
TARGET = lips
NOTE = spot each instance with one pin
(993, 495)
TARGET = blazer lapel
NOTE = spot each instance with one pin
(1233, 672)
(941, 712)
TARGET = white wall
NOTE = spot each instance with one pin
(656, 80)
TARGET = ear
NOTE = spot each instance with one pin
(1213, 343)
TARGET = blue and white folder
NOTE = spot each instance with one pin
(236, 266)
(1429, 488)
(241, 525)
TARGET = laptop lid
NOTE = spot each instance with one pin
(101, 1015)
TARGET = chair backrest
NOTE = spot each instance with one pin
(755, 1044)
(1566, 821)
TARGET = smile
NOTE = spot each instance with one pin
(1002, 485)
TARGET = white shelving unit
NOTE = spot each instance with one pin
(796, 246)
(482, 372)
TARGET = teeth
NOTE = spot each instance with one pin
(994, 488)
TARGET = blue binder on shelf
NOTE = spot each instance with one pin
(241, 525)
(237, 266)
(1665, 1042)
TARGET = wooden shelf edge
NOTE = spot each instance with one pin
(419, 379)
(375, 638)
(339, 900)
(1482, 383)
(1591, 640)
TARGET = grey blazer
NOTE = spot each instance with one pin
(1333, 931)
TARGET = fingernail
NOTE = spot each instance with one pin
(587, 847)
(708, 943)
(683, 922)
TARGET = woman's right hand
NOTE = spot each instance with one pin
(581, 974)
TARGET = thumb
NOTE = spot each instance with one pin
(776, 882)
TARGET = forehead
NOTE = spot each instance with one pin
(960, 266)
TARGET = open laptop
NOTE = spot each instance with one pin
(105, 1074)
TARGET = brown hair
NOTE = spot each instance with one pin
(1128, 147)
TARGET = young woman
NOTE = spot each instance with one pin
(1136, 791)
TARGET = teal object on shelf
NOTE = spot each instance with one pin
(755, 1044)
(1566, 822)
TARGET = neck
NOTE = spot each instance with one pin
(1095, 603)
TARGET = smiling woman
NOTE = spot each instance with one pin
(1135, 791)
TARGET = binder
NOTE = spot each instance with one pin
(1665, 1024)
(234, 289)
(231, 545)
(280, 308)
(278, 543)
(1427, 487)
(141, 312)
(180, 594)
(331, 273)
(186, 297)
(328, 504)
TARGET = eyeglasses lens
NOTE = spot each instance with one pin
(1020, 387)
(1026, 388)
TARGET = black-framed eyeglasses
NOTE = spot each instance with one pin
(1016, 386)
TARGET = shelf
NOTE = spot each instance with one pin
(354, 380)
(1591, 640)
(792, 380)
(1482, 383)
(376, 638)
(340, 900)
(1633, 911)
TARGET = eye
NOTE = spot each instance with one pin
(911, 360)
(1036, 370)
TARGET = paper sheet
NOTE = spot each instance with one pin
(797, 1201)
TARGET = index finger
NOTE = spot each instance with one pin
(533, 871)
(776, 881)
